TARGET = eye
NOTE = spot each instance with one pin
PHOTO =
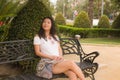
(48, 22)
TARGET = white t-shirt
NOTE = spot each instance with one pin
(49, 46)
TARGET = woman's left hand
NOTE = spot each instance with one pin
(58, 58)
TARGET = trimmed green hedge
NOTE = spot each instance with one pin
(27, 22)
(104, 22)
(3, 32)
(82, 20)
(89, 32)
(59, 19)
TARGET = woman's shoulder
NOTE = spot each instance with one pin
(36, 36)
(37, 40)
(57, 37)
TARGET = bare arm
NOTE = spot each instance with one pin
(60, 50)
(40, 54)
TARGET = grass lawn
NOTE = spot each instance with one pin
(113, 41)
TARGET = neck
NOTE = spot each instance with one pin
(47, 33)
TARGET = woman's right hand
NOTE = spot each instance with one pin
(56, 58)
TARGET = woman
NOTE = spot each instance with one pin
(47, 46)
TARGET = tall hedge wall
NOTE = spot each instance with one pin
(89, 32)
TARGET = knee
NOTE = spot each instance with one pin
(71, 75)
(70, 63)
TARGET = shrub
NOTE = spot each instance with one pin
(59, 19)
(82, 20)
(116, 23)
(104, 22)
(26, 24)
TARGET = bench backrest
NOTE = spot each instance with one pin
(11, 51)
(15, 50)
(72, 46)
(69, 46)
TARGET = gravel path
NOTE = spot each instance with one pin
(109, 61)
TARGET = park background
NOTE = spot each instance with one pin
(96, 21)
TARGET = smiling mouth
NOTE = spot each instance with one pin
(45, 26)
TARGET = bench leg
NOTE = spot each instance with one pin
(91, 77)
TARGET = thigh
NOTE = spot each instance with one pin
(61, 67)
(71, 75)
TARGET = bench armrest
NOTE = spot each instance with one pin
(90, 57)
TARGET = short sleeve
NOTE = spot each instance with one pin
(36, 40)
(57, 38)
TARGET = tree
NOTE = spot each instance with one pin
(97, 9)
(109, 8)
(26, 24)
(104, 22)
(46, 3)
(60, 6)
(116, 23)
(8, 9)
(49, 5)
(117, 2)
(52, 9)
(82, 20)
(59, 19)
(67, 7)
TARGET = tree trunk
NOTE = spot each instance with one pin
(99, 10)
(90, 11)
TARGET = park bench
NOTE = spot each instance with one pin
(20, 53)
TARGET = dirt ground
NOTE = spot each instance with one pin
(109, 61)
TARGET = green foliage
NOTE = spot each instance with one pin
(88, 32)
(117, 2)
(49, 5)
(59, 19)
(26, 24)
(82, 20)
(67, 7)
(104, 22)
(116, 23)
(60, 5)
(3, 32)
(8, 9)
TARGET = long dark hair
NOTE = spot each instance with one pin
(41, 32)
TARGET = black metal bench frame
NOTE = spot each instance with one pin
(21, 53)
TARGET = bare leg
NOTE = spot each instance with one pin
(71, 75)
(66, 65)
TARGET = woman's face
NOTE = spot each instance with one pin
(46, 25)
